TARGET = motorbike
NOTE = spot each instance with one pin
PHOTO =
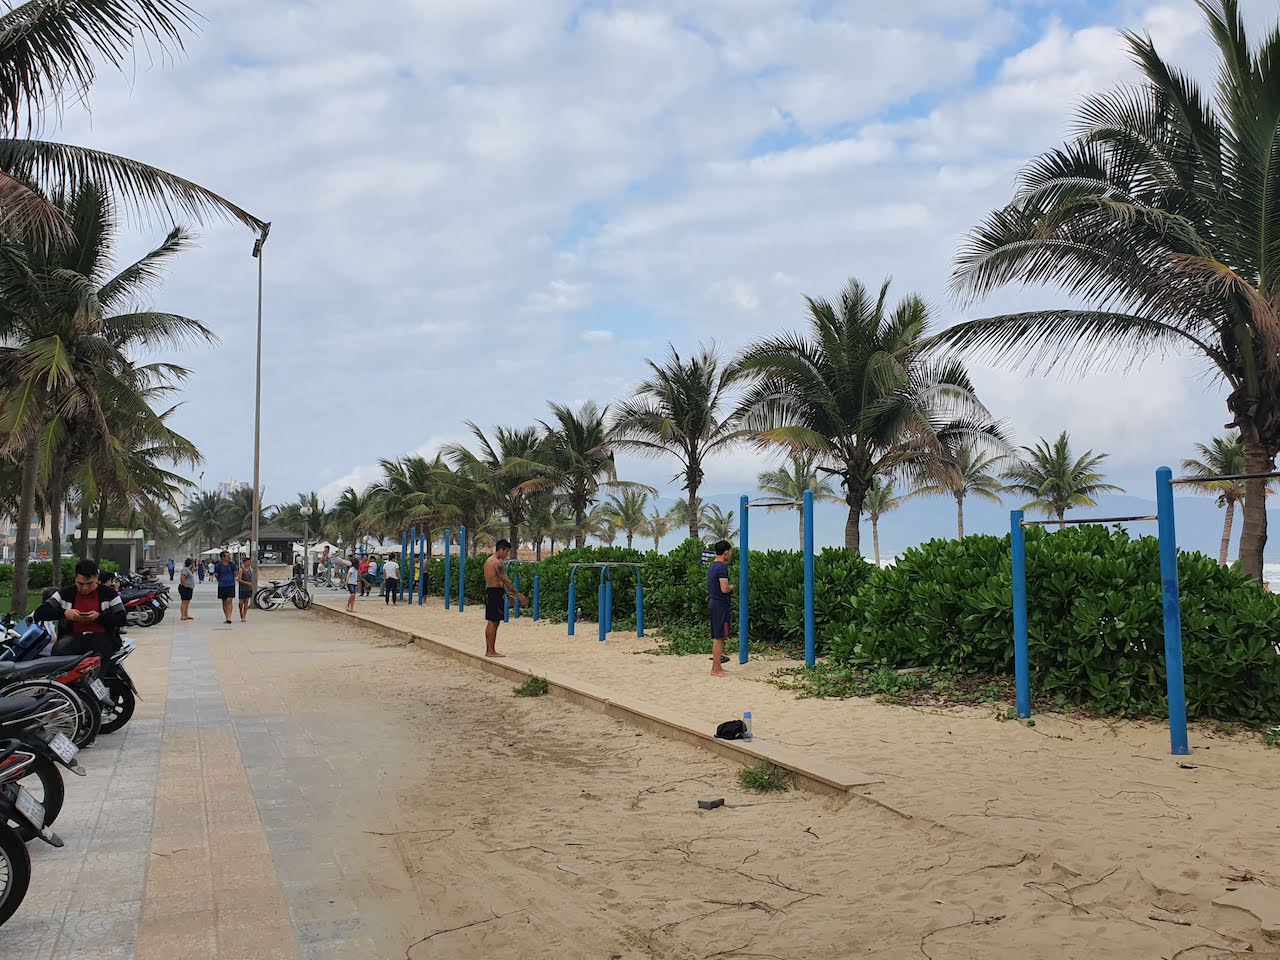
(144, 606)
(32, 721)
(17, 805)
(76, 675)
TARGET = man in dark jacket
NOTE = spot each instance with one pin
(89, 615)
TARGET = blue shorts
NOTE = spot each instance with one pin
(351, 588)
(720, 613)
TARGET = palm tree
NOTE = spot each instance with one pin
(351, 516)
(1163, 214)
(576, 461)
(720, 523)
(680, 410)
(202, 520)
(504, 469)
(678, 515)
(1057, 480)
(658, 525)
(859, 393)
(601, 524)
(48, 54)
(65, 369)
(963, 472)
(1223, 456)
(880, 499)
(790, 482)
(237, 513)
(628, 513)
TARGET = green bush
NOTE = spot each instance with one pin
(40, 573)
(1095, 622)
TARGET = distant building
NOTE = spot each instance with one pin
(227, 487)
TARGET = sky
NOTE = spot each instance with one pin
(481, 207)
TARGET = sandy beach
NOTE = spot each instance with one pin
(1086, 826)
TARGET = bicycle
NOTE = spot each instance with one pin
(281, 592)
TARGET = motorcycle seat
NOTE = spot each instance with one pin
(42, 667)
(15, 708)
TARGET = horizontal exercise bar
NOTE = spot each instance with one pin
(610, 564)
(1228, 476)
(1046, 523)
(775, 503)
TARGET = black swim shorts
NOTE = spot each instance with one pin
(720, 612)
(493, 607)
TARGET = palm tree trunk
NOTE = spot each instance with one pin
(513, 534)
(26, 507)
(1062, 519)
(875, 536)
(580, 522)
(855, 497)
(1253, 527)
(102, 528)
(657, 543)
(1225, 548)
(693, 511)
(537, 550)
(55, 518)
(630, 536)
(800, 514)
(84, 527)
(960, 518)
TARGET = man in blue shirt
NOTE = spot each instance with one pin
(718, 590)
(225, 571)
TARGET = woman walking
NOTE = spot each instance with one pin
(353, 584)
(244, 579)
(187, 587)
(200, 571)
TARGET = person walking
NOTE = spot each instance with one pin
(225, 572)
(353, 581)
(497, 586)
(171, 568)
(244, 581)
(200, 569)
(391, 581)
(187, 587)
(718, 590)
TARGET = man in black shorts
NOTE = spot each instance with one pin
(225, 572)
(496, 586)
(718, 590)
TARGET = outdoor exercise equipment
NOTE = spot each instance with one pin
(462, 569)
(406, 556)
(605, 595)
(744, 575)
(515, 580)
(1172, 601)
(422, 567)
(447, 534)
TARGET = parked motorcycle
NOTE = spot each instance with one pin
(76, 675)
(32, 721)
(120, 688)
(17, 805)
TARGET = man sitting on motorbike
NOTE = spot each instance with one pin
(89, 615)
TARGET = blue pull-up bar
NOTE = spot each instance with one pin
(1167, 528)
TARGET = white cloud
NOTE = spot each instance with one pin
(501, 199)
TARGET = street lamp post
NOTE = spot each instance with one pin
(306, 532)
(257, 413)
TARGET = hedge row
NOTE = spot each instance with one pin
(675, 587)
(1095, 622)
(41, 572)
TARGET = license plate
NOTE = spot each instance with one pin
(32, 810)
(156, 604)
(61, 745)
(100, 691)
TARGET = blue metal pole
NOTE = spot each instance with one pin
(810, 643)
(462, 569)
(573, 598)
(406, 570)
(1021, 671)
(517, 586)
(1178, 743)
(536, 585)
(608, 603)
(639, 606)
(600, 604)
(422, 562)
(744, 562)
(448, 534)
(506, 609)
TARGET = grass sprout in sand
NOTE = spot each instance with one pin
(533, 687)
(764, 777)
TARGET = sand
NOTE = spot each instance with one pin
(1083, 838)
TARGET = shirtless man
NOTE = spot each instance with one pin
(496, 586)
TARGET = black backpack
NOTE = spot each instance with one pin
(730, 730)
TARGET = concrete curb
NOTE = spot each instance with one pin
(808, 773)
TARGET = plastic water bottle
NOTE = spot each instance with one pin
(746, 725)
